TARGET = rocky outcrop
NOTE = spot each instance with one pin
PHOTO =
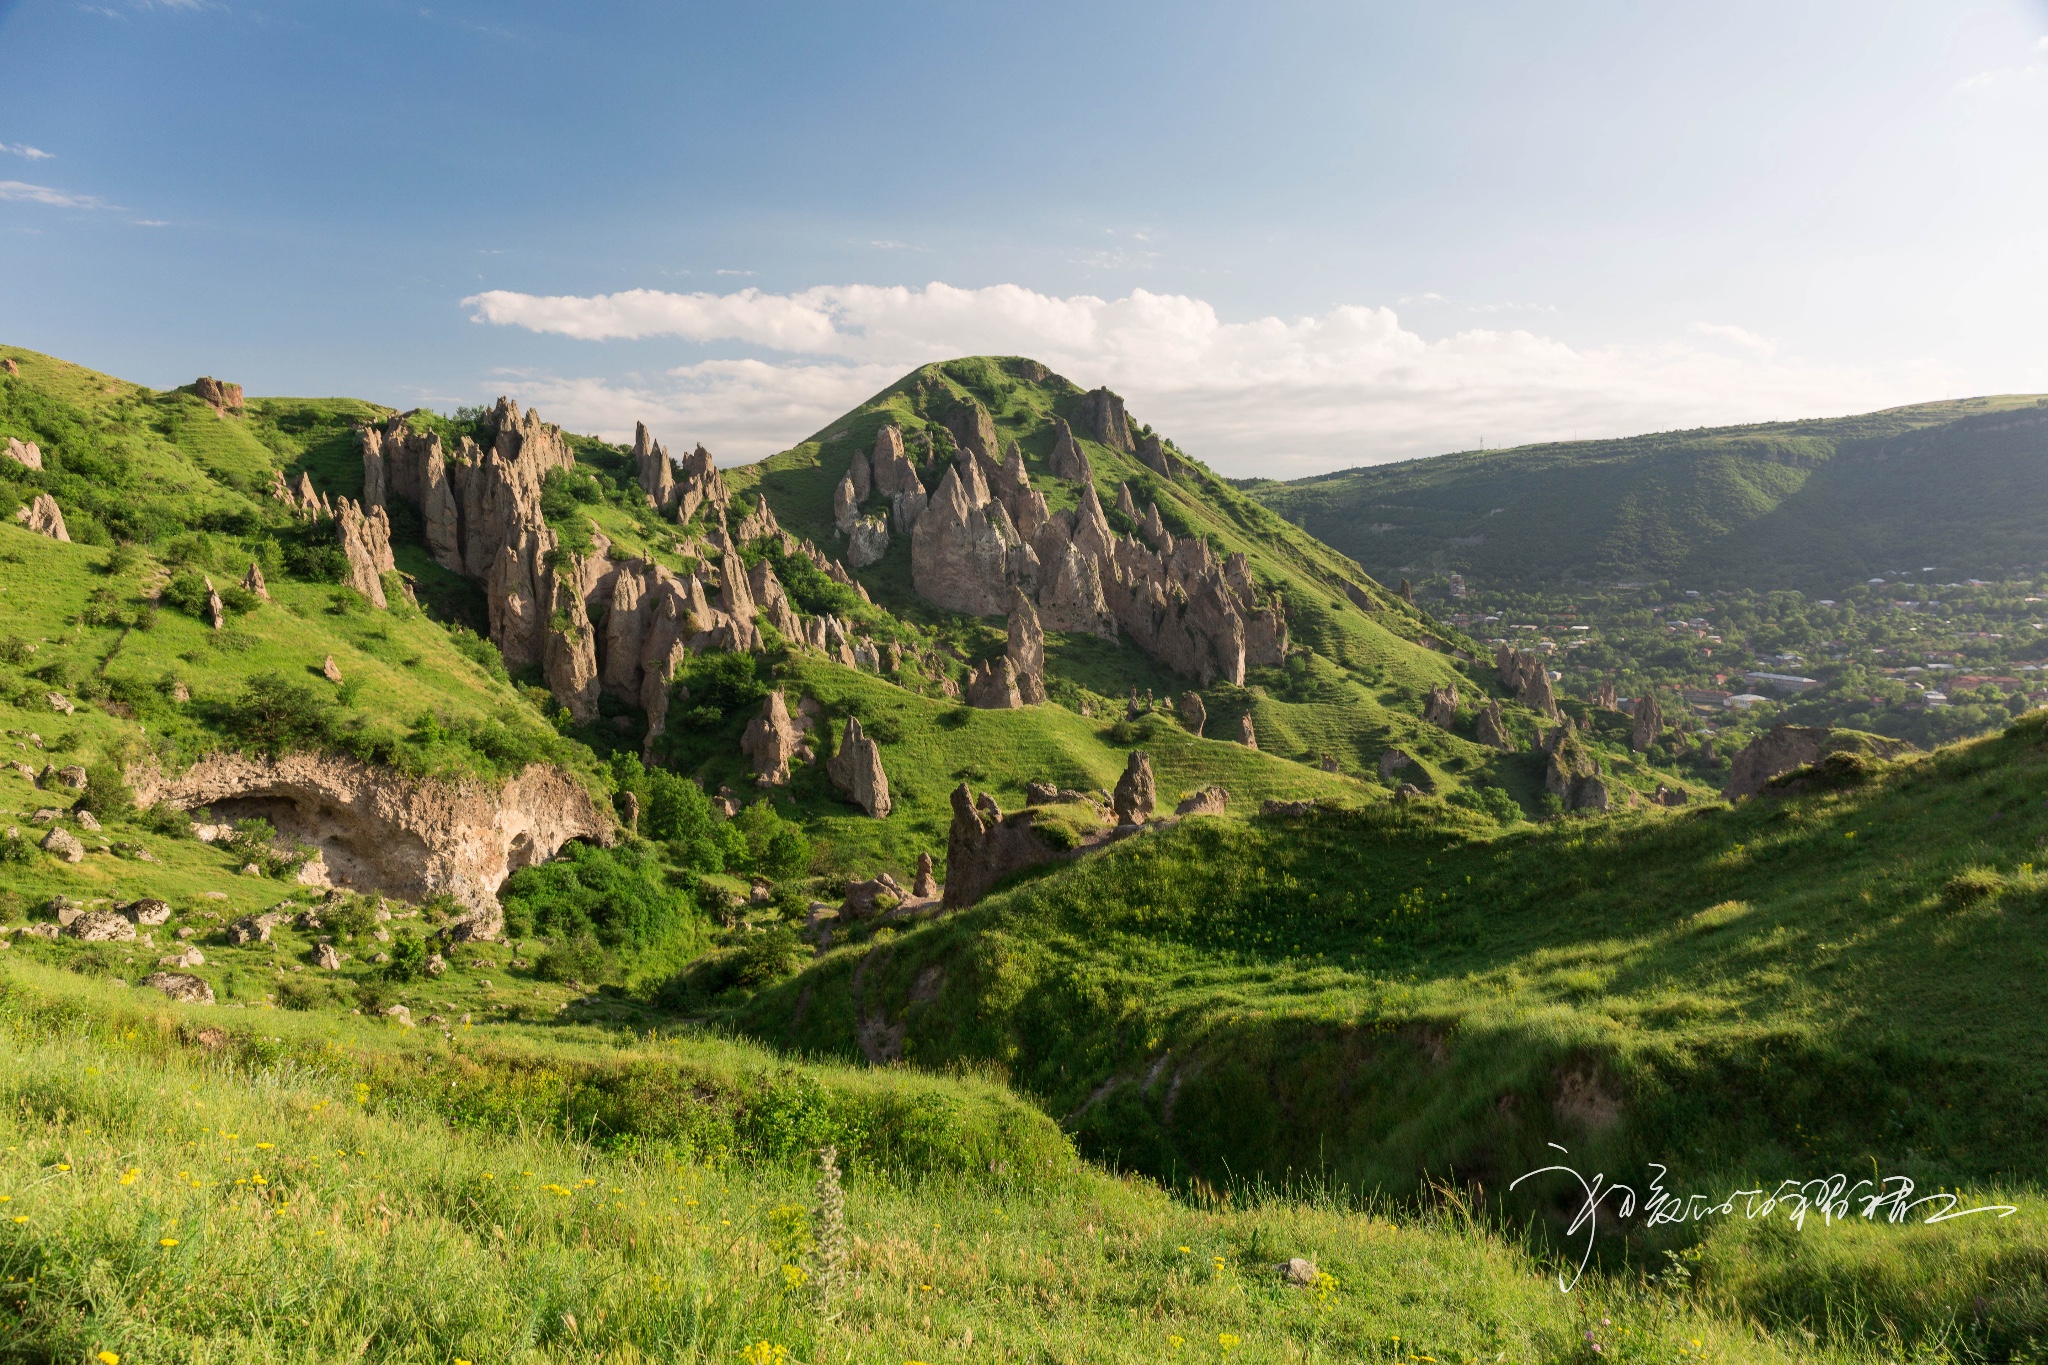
(1071, 596)
(771, 741)
(984, 846)
(655, 470)
(1492, 727)
(380, 832)
(27, 454)
(1442, 707)
(1135, 797)
(845, 505)
(974, 430)
(1100, 417)
(1786, 747)
(1193, 715)
(1393, 761)
(1247, 734)
(41, 515)
(216, 610)
(366, 541)
(570, 663)
(1604, 698)
(1649, 724)
(867, 541)
(1525, 674)
(1207, 801)
(926, 885)
(959, 552)
(1572, 774)
(252, 582)
(222, 398)
(876, 896)
(992, 686)
(856, 770)
(1153, 454)
(1027, 649)
(101, 926)
(1068, 460)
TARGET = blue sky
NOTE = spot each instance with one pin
(1296, 236)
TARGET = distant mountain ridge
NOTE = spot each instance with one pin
(1812, 505)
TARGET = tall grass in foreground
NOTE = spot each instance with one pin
(184, 1206)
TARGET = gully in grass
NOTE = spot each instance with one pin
(1834, 1198)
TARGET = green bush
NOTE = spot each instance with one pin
(408, 952)
(725, 683)
(617, 895)
(580, 958)
(776, 847)
(165, 818)
(106, 794)
(770, 956)
(278, 715)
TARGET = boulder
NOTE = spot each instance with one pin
(1193, 715)
(331, 670)
(1393, 761)
(101, 926)
(1247, 734)
(182, 987)
(41, 515)
(190, 957)
(326, 958)
(1670, 796)
(64, 845)
(771, 741)
(255, 928)
(868, 541)
(1649, 723)
(1040, 793)
(877, 895)
(856, 770)
(1135, 797)
(1276, 806)
(71, 777)
(1207, 801)
(926, 886)
(148, 912)
(1027, 648)
(1298, 1271)
(992, 686)
(27, 454)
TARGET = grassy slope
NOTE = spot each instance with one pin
(1359, 693)
(151, 1181)
(185, 470)
(1769, 990)
(1814, 505)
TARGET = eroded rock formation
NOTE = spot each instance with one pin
(1135, 797)
(41, 515)
(366, 541)
(27, 454)
(222, 398)
(984, 846)
(1649, 723)
(1027, 649)
(1442, 707)
(771, 741)
(1492, 727)
(1525, 674)
(1193, 714)
(856, 770)
(379, 831)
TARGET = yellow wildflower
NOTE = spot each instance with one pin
(166, 1241)
(108, 1358)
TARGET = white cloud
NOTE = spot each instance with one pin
(22, 149)
(1270, 395)
(21, 192)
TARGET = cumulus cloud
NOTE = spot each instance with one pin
(21, 192)
(23, 150)
(1266, 395)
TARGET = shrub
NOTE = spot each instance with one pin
(105, 793)
(16, 850)
(770, 956)
(279, 714)
(580, 958)
(165, 818)
(408, 957)
(617, 895)
(725, 683)
(776, 847)
(316, 562)
(187, 592)
(356, 915)
(1489, 801)
(306, 993)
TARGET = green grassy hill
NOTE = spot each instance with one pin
(1834, 980)
(1815, 505)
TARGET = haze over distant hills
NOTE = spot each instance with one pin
(1813, 505)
